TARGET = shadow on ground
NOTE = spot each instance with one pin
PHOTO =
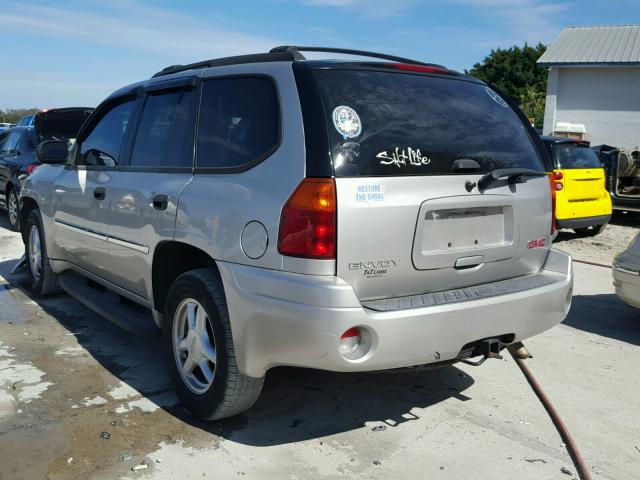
(296, 404)
(605, 315)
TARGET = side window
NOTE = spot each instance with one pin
(102, 146)
(239, 121)
(165, 134)
(11, 142)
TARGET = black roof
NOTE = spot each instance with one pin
(284, 53)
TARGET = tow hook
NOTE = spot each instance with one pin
(489, 348)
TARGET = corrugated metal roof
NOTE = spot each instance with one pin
(595, 46)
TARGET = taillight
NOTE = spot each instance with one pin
(418, 68)
(557, 184)
(32, 168)
(553, 201)
(308, 220)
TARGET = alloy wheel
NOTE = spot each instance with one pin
(35, 253)
(194, 346)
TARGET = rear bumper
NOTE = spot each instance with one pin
(280, 318)
(583, 222)
(627, 284)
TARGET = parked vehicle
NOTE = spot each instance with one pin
(4, 126)
(626, 273)
(18, 151)
(582, 202)
(26, 121)
(623, 176)
(267, 210)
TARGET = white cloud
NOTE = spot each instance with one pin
(374, 9)
(134, 27)
(524, 20)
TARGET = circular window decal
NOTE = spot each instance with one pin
(496, 98)
(347, 121)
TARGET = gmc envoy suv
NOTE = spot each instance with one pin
(267, 210)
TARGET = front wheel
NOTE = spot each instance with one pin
(199, 349)
(43, 280)
(590, 231)
(13, 210)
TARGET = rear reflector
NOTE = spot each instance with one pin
(308, 220)
(349, 341)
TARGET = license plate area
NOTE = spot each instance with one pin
(464, 229)
(455, 227)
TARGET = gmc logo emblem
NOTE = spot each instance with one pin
(535, 243)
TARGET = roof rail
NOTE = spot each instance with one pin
(282, 56)
(284, 53)
(345, 51)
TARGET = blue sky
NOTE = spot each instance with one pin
(68, 53)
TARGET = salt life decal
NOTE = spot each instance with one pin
(370, 193)
(405, 156)
(496, 98)
(346, 121)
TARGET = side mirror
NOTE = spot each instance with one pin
(52, 152)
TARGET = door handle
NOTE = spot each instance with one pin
(99, 193)
(160, 202)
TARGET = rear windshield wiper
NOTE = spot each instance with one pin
(512, 174)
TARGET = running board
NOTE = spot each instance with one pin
(108, 304)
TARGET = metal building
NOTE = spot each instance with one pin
(593, 90)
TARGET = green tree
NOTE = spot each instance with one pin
(514, 72)
(12, 115)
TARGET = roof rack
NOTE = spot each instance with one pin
(284, 53)
(346, 51)
(287, 56)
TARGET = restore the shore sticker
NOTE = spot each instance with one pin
(370, 192)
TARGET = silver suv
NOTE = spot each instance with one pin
(270, 210)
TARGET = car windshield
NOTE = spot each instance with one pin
(392, 124)
(575, 156)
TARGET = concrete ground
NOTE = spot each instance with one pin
(67, 376)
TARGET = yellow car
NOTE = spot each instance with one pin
(578, 181)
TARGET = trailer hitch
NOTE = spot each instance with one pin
(489, 348)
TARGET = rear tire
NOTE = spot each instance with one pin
(43, 280)
(13, 209)
(199, 349)
(590, 231)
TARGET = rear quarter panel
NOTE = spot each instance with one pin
(215, 207)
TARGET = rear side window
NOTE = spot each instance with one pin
(165, 133)
(575, 156)
(102, 146)
(11, 142)
(394, 124)
(239, 122)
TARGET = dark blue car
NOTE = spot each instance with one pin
(18, 151)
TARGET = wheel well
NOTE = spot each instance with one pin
(27, 205)
(170, 260)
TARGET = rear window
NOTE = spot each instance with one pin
(575, 156)
(393, 124)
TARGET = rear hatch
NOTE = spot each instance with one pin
(60, 123)
(582, 171)
(410, 219)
